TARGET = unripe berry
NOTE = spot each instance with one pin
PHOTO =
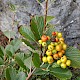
(58, 62)
(44, 59)
(50, 47)
(40, 41)
(44, 44)
(63, 65)
(59, 35)
(49, 52)
(68, 62)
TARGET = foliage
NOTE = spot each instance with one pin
(17, 64)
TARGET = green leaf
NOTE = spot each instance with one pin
(40, 72)
(16, 44)
(9, 34)
(21, 76)
(20, 61)
(39, 1)
(36, 60)
(78, 78)
(27, 43)
(61, 73)
(37, 25)
(10, 50)
(1, 51)
(12, 7)
(49, 31)
(49, 18)
(28, 62)
(1, 61)
(74, 55)
(27, 33)
(54, 65)
(10, 74)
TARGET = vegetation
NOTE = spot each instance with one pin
(48, 56)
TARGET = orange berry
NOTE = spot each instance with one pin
(44, 38)
(48, 37)
(61, 39)
(56, 39)
(54, 33)
(60, 54)
(59, 47)
(63, 51)
(55, 56)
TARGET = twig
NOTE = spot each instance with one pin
(30, 74)
(45, 16)
(40, 4)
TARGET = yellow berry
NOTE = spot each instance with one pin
(63, 59)
(59, 35)
(40, 41)
(52, 43)
(54, 51)
(48, 52)
(64, 46)
(50, 59)
(61, 39)
(58, 62)
(44, 59)
(63, 65)
(44, 44)
(68, 62)
(50, 47)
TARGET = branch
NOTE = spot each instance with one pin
(45, 16)
(30, 74)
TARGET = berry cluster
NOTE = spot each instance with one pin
(63, 62)
(55, 50)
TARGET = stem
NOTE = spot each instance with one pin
(30, 74)
(41, 52)
(45, 16)
(48, 66)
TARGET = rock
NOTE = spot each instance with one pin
(66, 12)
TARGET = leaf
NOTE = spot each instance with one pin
(16, 44)
(20, 61)
(10, 74)
(61, 73)
(27, 43)
(74, 55)
(78, 78)
(49, 31)
(27, 33)
(12, 7)
(10, 50)
(36, 60)
(9, 34)
(1, 51)
(28, 62)
(37, 25)
(54, 65)
(1, 61)
(39, 1)
(49, 18)
(40, 72)
(21, 76)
